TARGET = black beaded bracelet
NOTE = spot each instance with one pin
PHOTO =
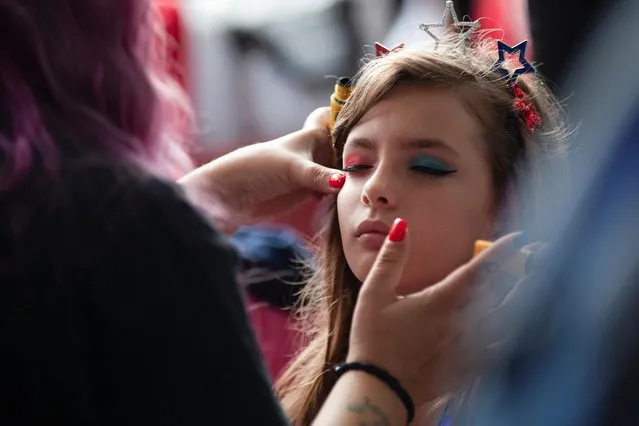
(385, 377)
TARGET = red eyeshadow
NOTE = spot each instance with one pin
(353, 159)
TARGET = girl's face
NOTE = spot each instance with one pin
(417, 155)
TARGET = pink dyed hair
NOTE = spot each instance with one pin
(84, 77)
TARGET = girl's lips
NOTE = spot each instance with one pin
(372, 240)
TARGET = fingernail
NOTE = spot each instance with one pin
(398, 231)
(521, 240)
(337, 181)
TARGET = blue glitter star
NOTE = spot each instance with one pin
(502, 49)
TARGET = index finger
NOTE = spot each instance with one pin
(387, 270)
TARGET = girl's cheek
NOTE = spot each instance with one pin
(350, 194)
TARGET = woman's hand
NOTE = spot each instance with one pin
(431, 341)
(435, 339)
(269, 178)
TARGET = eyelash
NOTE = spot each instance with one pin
(355, 168)
(420, 169)
(432, 171)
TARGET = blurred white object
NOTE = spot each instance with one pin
(241, 96)
(405, 28)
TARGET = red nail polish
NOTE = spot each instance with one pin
(337, 181)
(398, 231)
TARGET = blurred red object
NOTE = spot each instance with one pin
(278, 341)
(176, 43)
(508, 19)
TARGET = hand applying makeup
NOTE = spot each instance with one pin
(269, 178)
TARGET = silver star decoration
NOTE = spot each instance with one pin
(449, 15)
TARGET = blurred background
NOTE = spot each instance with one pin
(256, 68)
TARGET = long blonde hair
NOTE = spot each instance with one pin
(330, 295)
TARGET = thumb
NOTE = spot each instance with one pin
(386, 272)
(318, 119)
(312, 176)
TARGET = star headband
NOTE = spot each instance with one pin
(520, 50)
(449, 16)
(522, 103)
(381, 50)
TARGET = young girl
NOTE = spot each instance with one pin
(441, 139)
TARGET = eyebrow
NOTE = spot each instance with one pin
(421, 143)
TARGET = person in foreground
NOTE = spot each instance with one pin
(118, 303)
(442, 139)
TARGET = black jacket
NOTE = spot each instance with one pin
(118, 306)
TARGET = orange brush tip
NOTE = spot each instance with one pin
(481, 245)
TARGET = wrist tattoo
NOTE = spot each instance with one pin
(372, 415)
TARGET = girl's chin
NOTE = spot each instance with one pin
(405, 286)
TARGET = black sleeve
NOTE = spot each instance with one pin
(172, 343)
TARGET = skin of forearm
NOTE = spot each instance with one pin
(359, 399)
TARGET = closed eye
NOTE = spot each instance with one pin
(431, 166)
(356, 167)
(434, 171)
